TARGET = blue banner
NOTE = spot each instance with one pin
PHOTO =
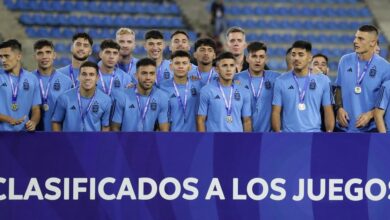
(194, 176)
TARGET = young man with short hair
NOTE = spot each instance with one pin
(125, 37)
(236, 44)
(320, 63)
(204, 54)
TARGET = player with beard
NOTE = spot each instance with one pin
(141, 108)
(84, 108)
(204, 54)
(81, 50)
(180, 41)
(125, 37)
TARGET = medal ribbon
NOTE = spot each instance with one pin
(145, 108)
(44, 92)
(200, 75)
(83, 114)
(181, 103)
(258, 93)
(360, 76)
(108, 92)
(15, 89)
(302, 92)
(228, 104)
(71, 74)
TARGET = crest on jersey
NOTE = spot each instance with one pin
(26, 85)
(237, 95)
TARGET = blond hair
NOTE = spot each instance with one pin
(123, 31)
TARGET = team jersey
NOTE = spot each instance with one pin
(204, 77)
(130, 68)
(382, 102)
(72, 73)
(119, 80)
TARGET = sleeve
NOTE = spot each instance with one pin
(203, 102)
(59, 109)
(37, 100)
(118, 110)
(327, 96)
(106, 113)
(387, 72)
(127, 80)
(163, 114)
(382, 100)
(339, 73)
(277, 97)
(246, 108)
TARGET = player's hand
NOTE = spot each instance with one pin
(364, 119)
(316, 70)
(30, 126)
(130, 85)
(19, 121)
(342, 117)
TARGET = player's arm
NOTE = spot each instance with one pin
(329, 118)
(56, 126)
(275, 118)
(115, 126)
(364, 119)
(164, 127)
(380, 123)
(35, 117)
(200, 123)
(10, 120)
(341, 115)
(105, 128)
(247, 124)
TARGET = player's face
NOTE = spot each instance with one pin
(81, 49)
(154, 48)
(127, 43)
(300, 58)
(257, 61)
(226, 69)
(9, 58)
(364, 42)
(110, 57)
(146, 76)
(204, 54)
(88, 78)
(180, 42)
(45, 57)
(321, 64)
(236, 43)
(180, 66)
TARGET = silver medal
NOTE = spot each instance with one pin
(301, 106)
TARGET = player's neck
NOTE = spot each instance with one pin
(301, 72)
(180, 80)
(239, 62)
(106, 70)
(225, 82)
(46, 71)
(87, 93)
(366, 56)
(77, 63)
(16, 70)
(256, 73)
(205, 68)
(143, 91)
(159, 61)
(125, 59)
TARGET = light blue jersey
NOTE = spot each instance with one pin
(355, 104)
(72, 73)
(261, 90)
(286, 95)
(382, 102)
(130, 68)
(204, 77)
(28, 95)
(186, 95)
(163, 72)
(137, 112)
(50, 88)
(95, 111)
(119, 80)
(213, 106)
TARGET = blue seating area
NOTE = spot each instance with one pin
(296, 1)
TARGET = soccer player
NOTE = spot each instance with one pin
(298, 95)
(125, 37)
(289, 60)
(360, 75)
(141, 108)
(236, 44)
(259, 83)
(84, 108)
(381, 114)
(154, 46)
(183, 94)
(204, 54)
(110, 77)
(180, 41)
(224, 106)
(19, 91)
(320, 63)
(81, 50)
(51, 82)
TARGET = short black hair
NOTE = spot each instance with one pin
(288, 50)
(39, 44)
(180, 53)
(13, 44)
(369, 28)
(302, 45)
(321, 55)
(154, 34)
(109, 44)
(145, 62)
(256, 46)
(205, 42)
(84, 36)
(180, 32)
(224, 55)
(90, 64)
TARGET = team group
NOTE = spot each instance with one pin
(231, 92)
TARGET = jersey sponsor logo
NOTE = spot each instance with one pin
(237, 95)
(193, 91)
(95, 107)
(373, 71)
(26, 85)
(166, 74)
(312, 85)
(350, 69)
(268, 84)
(73, 107)
(117, 83)
(131, 106)
(153, 105)
(217, 97)
(57, 85)
(291, 87)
